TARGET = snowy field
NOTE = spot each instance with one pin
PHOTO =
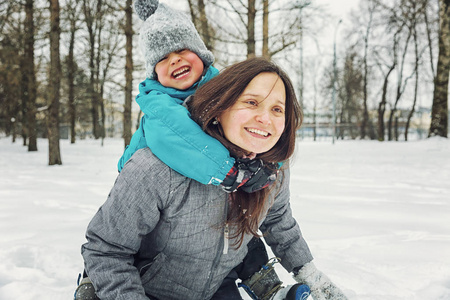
(376, 215)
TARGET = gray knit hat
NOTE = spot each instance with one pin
(166, 30)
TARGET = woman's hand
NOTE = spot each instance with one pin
(321, 286)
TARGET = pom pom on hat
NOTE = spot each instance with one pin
(145, 8)
(166, 30)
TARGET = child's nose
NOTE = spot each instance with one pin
(175, 59)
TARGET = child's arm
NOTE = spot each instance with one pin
(180, 142)
(137, 142)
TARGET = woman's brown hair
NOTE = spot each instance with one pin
(219, 94)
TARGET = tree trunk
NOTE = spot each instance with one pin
(193, 16)
(439, 111)
(205, 30)
(416, 85)
(265, 45)
(128, 74)
(401, 85)
(314, 122)
(30, 78)
(198, 17)
(24, 97)
(251, 29)
(413, 109)
(396, 128)
(71, 80)
(98, 84)
(365, 119)
(102, 113)
(429, 38)
(55, 82)
(382, 105)
(89, 19)
(301, 71)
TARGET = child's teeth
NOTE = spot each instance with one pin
(180, 71)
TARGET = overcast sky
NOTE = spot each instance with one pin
(340, 8)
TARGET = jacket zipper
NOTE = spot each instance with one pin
(226, 234)
(219, 253)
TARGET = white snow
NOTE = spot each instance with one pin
(376, 215)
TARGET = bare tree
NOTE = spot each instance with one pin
(92, 16)
(54, 155)
(382, 104)
(73, 11)
(439, 112)
(416, 83)
(429, 33)
(351, 93)
(201, 23)
(399, 24)
(5, 14)
(128, 73)
(29, 80)
(265, 29)
(414, 22)
(251, 15)
(11, 57)
(246, 24)
(365, 119)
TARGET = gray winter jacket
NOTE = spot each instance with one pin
(161, 235)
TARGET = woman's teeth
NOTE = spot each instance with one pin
(257, 131)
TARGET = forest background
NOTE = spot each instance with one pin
(70, 69)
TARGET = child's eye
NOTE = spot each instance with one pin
(180, 51)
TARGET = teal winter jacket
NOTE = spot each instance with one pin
(167, 129)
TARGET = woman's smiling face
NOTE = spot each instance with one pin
(256, 120)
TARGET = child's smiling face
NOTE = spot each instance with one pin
(179, 69)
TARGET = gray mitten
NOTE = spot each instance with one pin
(321, 286)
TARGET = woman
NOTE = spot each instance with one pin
(161, 235)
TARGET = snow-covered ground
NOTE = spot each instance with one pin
(376, 215)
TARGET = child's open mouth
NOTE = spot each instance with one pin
(178, 73)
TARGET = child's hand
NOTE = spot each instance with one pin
(249, 175)
(261, 178)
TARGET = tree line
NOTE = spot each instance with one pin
(76, 62)
(397, 53)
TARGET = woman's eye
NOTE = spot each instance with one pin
(252, 102)
(278, 110)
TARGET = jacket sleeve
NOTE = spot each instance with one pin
(137, 142)
(180, 142)
(281, 231)
(131, 211)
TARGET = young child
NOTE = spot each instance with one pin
(177, 63)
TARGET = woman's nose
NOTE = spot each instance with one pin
(263, 117)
